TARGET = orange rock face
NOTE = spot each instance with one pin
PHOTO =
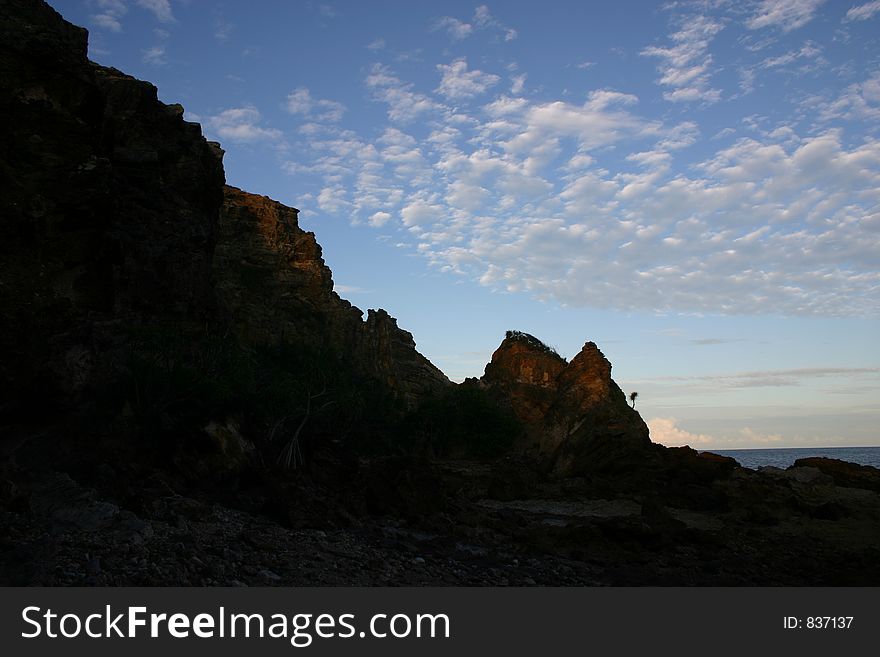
(574, 413)
(527, 375)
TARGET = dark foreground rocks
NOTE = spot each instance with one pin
(412, 522)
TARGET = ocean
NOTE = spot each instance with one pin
(782, 458)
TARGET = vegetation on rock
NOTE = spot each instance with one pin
(531, 341)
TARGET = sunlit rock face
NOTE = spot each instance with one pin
(274, 286)
(271, 279)
(525, 372)
(575, 414)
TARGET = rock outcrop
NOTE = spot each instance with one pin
(842, 473)
(114, 215)
(271, 279)
(525, 372)
(273, 284)
(574, 412)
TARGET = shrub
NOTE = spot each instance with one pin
(464, 421)
(532, 341)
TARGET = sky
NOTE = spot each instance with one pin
(694, 186)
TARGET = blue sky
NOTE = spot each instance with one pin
(695, 186)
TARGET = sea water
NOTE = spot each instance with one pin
(784, 457)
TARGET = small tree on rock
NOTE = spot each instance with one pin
(632, 398)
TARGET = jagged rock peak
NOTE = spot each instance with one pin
(522, 358)
(587, 378)
(573, 412)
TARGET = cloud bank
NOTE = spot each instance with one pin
(592, 202)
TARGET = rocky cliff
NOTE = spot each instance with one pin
(275, 287)
(574, 412)
(108, 209)
(116, 223)
(114, 216)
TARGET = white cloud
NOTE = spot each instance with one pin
(780, 378)
(458, 83)
(676, 244)
(859, 101)
(482, 17)
(505, 105)
(466, 196)
(482, 20)
(404, 158)
(747, 77)
(379, 219)
(327, 11)
(455, 28)
(107, 22)
(600, 121)
(863, 12)
(222, 29)
(109, 15)
(787, 15)
(376, 45)
(681, 136)
(300, 101)
(111, 6)
(348, 289)
(110, 12)
(420, 212)
(685, 65)
(154, 55)
(750, 436)
(593, 205)
(665, 431)
(404, 104)
(808, 51)
(333, 200)
(160, 8)
(241, 124)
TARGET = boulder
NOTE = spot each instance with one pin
(842, 473)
